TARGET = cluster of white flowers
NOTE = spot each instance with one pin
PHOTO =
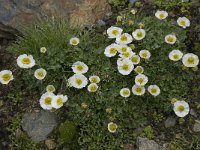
(181, 21)
(78, 80)
(189, 60)
(128, 59)
(27, 61)
(93, 87)
(181, 108)
(51, 101)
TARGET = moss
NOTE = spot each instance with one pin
(148, 132)
(67, 131)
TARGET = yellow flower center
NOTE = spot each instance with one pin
(134, 59)
(126, 54)
(123, 38)
(26, 61)
(125, 67)
(6, 77)
(93, 88)
(170, 39)
(74, 42)
(176, 56)
(125, 92)
(79, 67)
(59, 101)
(139, 34)
(139, 70)
(113, 127)
(180, 108)
(141, 80)
(51, 88)
(115, 32)
(144, 55)
(153, 90)
(124, 49)
(190, 60)
(79, 81)
(162, 16)
(48, 100)
(182, 22)
(113, 50)
(138, 89)
(40, 74)
(94, 80)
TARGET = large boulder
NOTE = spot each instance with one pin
(39, 125)
(15, 14)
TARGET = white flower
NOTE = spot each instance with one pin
(125, 92)
(145, 54)
(170, 39)
(113, 32)
(93, 87)
(46, 99)
(135, 59)
(43, 50)
(125, 66)
(181, 108)
(74, 41)
(123, 48)
(40, 73)
(125, 38)
(190, 60)
(154, 90)
(112, 127)
(138, 90)
(79, 67)
(58, 101)
(25, 61)
(50, 88)
(78, 81)
(94, 79)
(139, 69)
(183, 22)
(139, 34)
(6, 76)
(175, 55)
(141, 79)
(161, 14)
(111, 50)
(127, 54)
(133, 11)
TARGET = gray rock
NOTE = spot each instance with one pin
(39, 125)
(16, 14)
(193, 113)
(101, 23)
(170, 122)
(196, 127)
(132, 1)
(146, 144)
